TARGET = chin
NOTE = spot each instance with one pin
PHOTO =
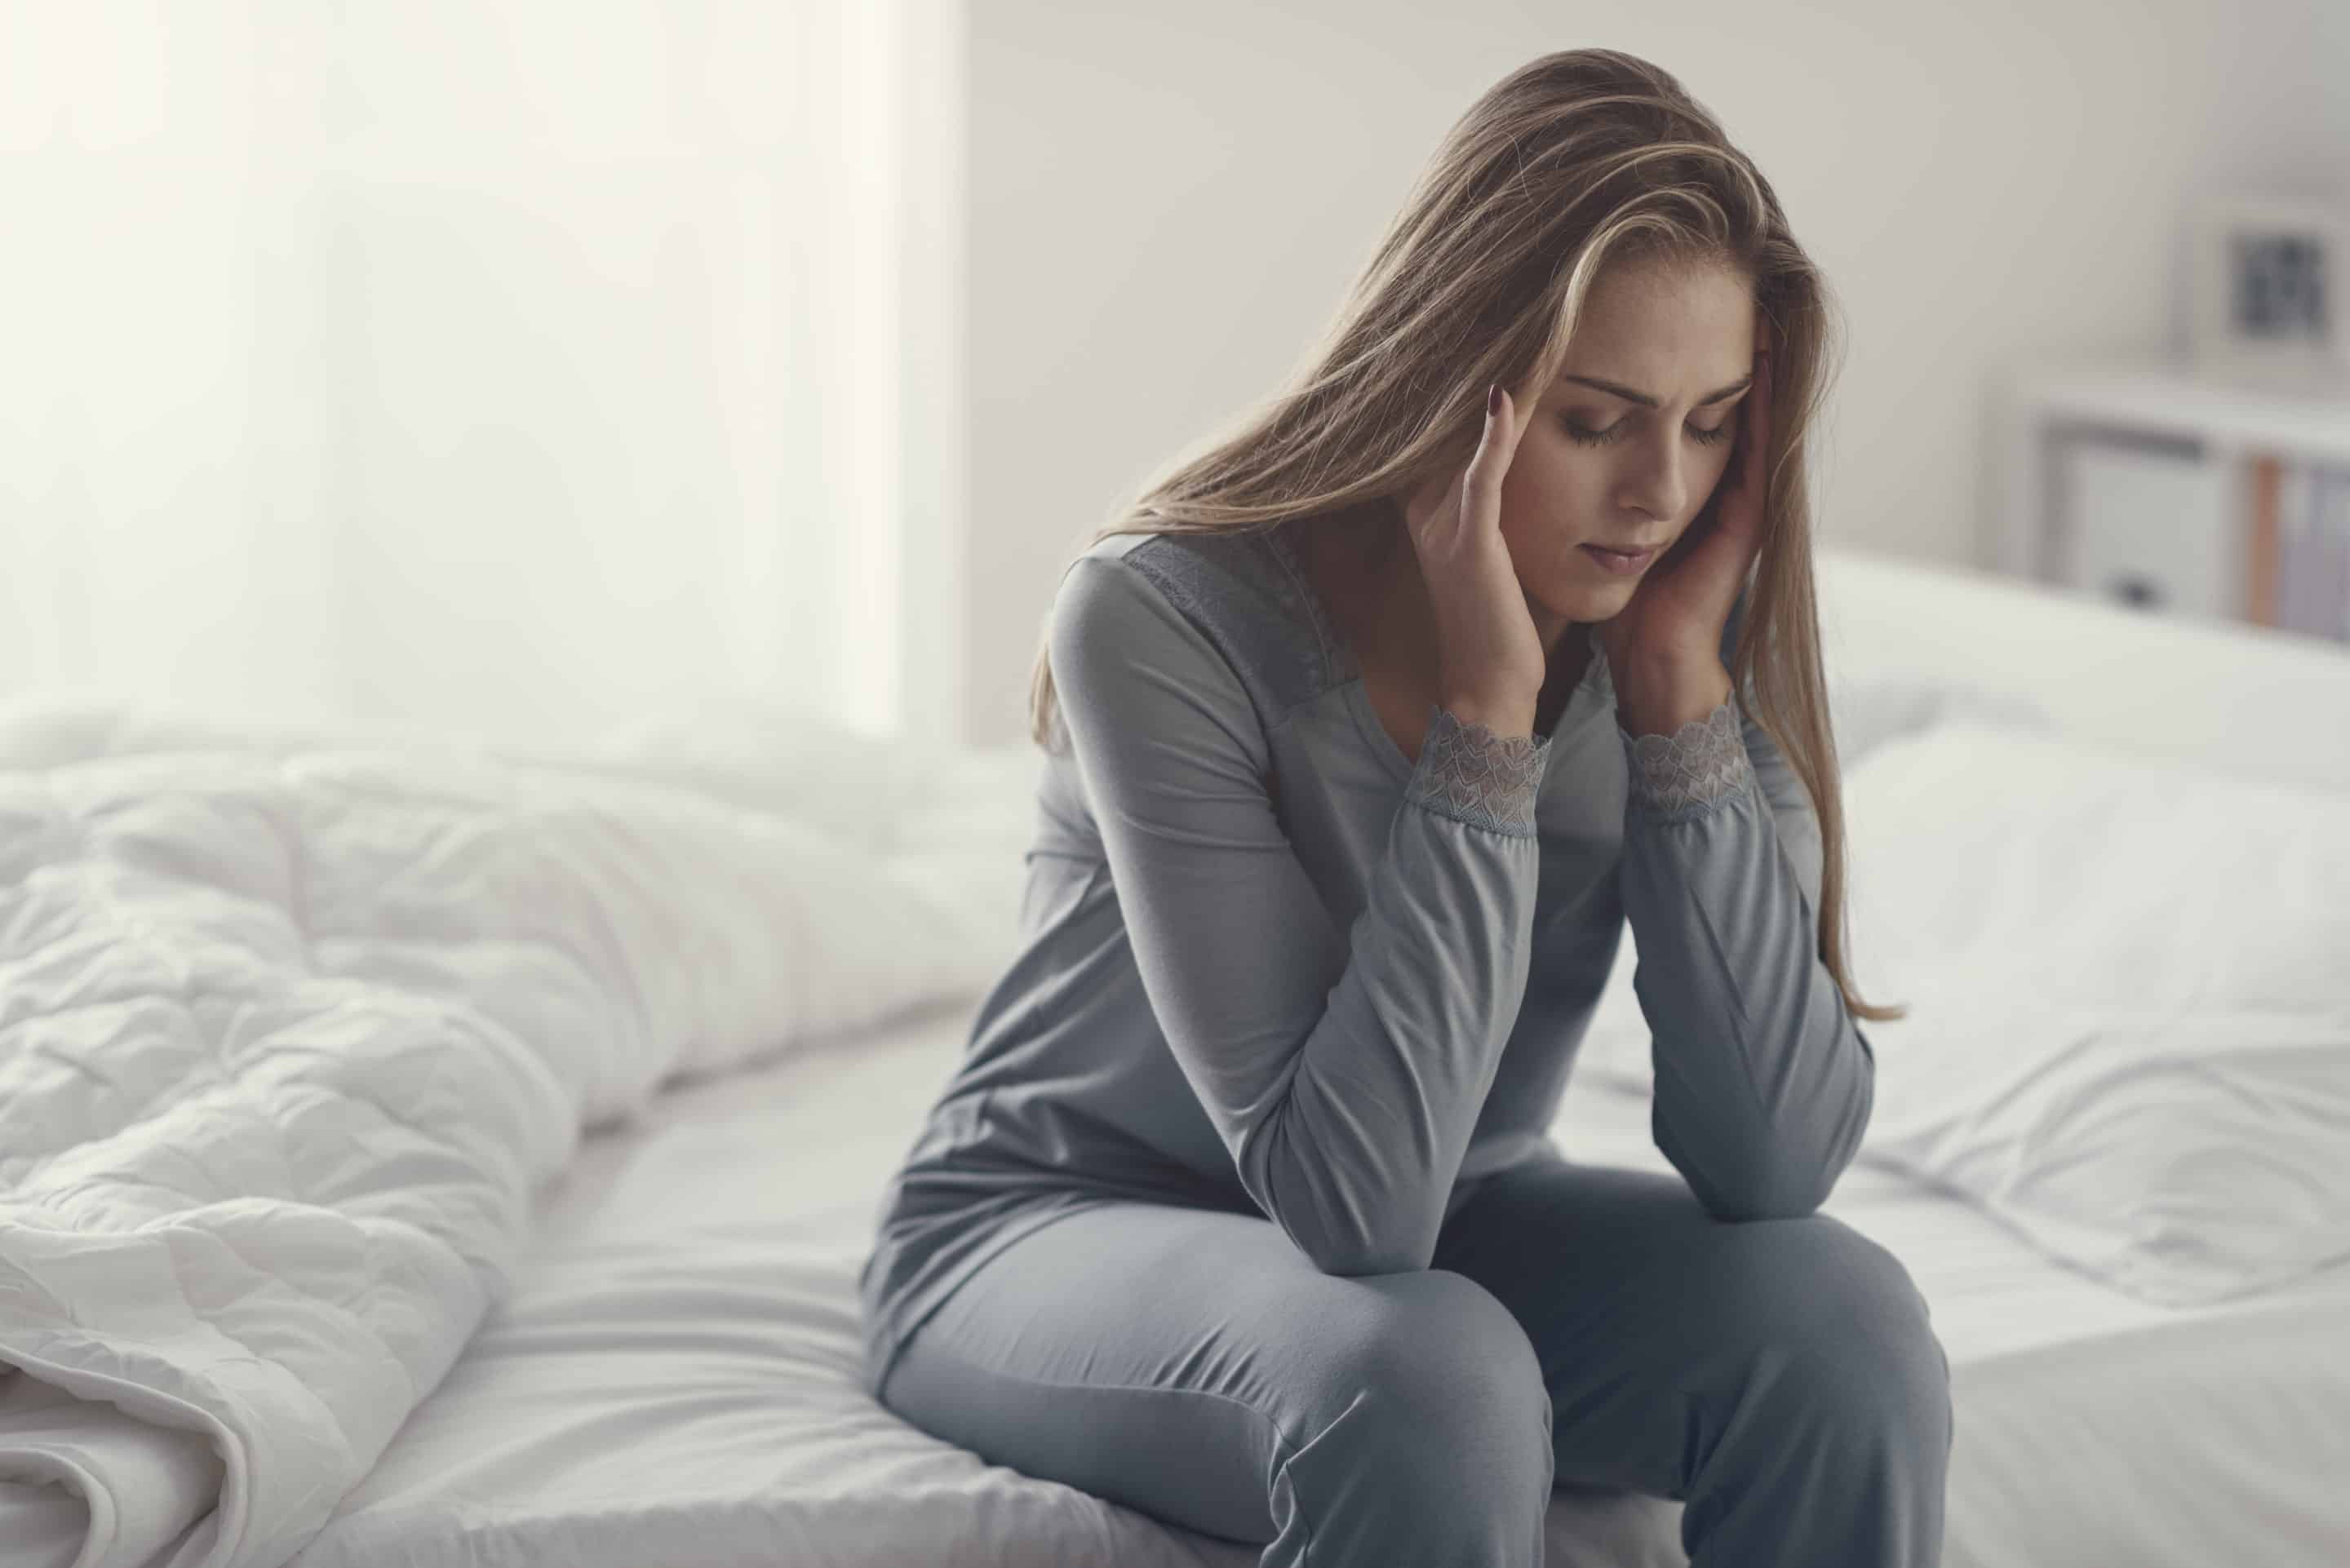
(1593, 601)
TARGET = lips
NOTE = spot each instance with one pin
(1618, 563)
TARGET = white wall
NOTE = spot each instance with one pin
(1166, 204)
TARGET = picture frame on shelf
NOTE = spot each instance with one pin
(2269, 292)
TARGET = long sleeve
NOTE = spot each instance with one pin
(1763, 1079)
(1343, 1070)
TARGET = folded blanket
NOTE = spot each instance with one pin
(290, 1035)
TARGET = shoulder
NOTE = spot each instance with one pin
(1224, 593)
(1234, 556)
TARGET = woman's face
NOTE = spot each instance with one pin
(1604, 466)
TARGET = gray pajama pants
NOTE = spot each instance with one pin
(1578, 1322)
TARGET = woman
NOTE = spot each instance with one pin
(1239, 1211)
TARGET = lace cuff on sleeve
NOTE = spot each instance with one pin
(1468, 771)
(1683, 774)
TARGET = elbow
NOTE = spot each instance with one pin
(1761, 1183)
(1349, 1257)
(1348, 1217)
(1353, 1234)
(1766, 1195)
(1369, 1237)
(1742, 1170)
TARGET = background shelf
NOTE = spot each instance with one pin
(2180, 492)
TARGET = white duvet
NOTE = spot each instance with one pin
(291, 1030)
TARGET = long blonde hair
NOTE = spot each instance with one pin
(1577, 161)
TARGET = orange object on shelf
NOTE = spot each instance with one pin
(2260, 557)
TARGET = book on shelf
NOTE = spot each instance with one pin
(2265, 540)
(2298, 549)
(2263, 537)
(2324, 603)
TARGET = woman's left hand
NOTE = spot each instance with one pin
(1683, 603)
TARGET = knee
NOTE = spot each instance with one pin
(1844, 1328)
(1439, 1387)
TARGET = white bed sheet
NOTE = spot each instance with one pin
(674, 1379)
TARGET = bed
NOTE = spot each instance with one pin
(612, 1319)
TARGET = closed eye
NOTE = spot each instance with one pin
(1616, 432)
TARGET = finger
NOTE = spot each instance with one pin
(1502, 427)
(1482, 484)
(1517, 427)
(1431, 506)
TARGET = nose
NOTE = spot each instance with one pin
(1655, 479)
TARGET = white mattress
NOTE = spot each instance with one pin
(674, 1379)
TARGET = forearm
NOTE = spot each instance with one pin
(1763, 1081)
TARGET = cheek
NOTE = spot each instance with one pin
(1550, 486)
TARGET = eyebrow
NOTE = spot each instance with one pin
(1646, 401)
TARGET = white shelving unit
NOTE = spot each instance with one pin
(2154, 406)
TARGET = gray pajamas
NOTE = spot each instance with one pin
(1239, 1208)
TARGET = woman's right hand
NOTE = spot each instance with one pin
(1492, 660)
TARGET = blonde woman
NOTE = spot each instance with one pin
(1368, 732)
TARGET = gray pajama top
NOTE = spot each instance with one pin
(1271, 966)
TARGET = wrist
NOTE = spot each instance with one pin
(1503, 715)
(1661, 693)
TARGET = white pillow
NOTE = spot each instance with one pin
(1869, 711)
(2129, 992)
